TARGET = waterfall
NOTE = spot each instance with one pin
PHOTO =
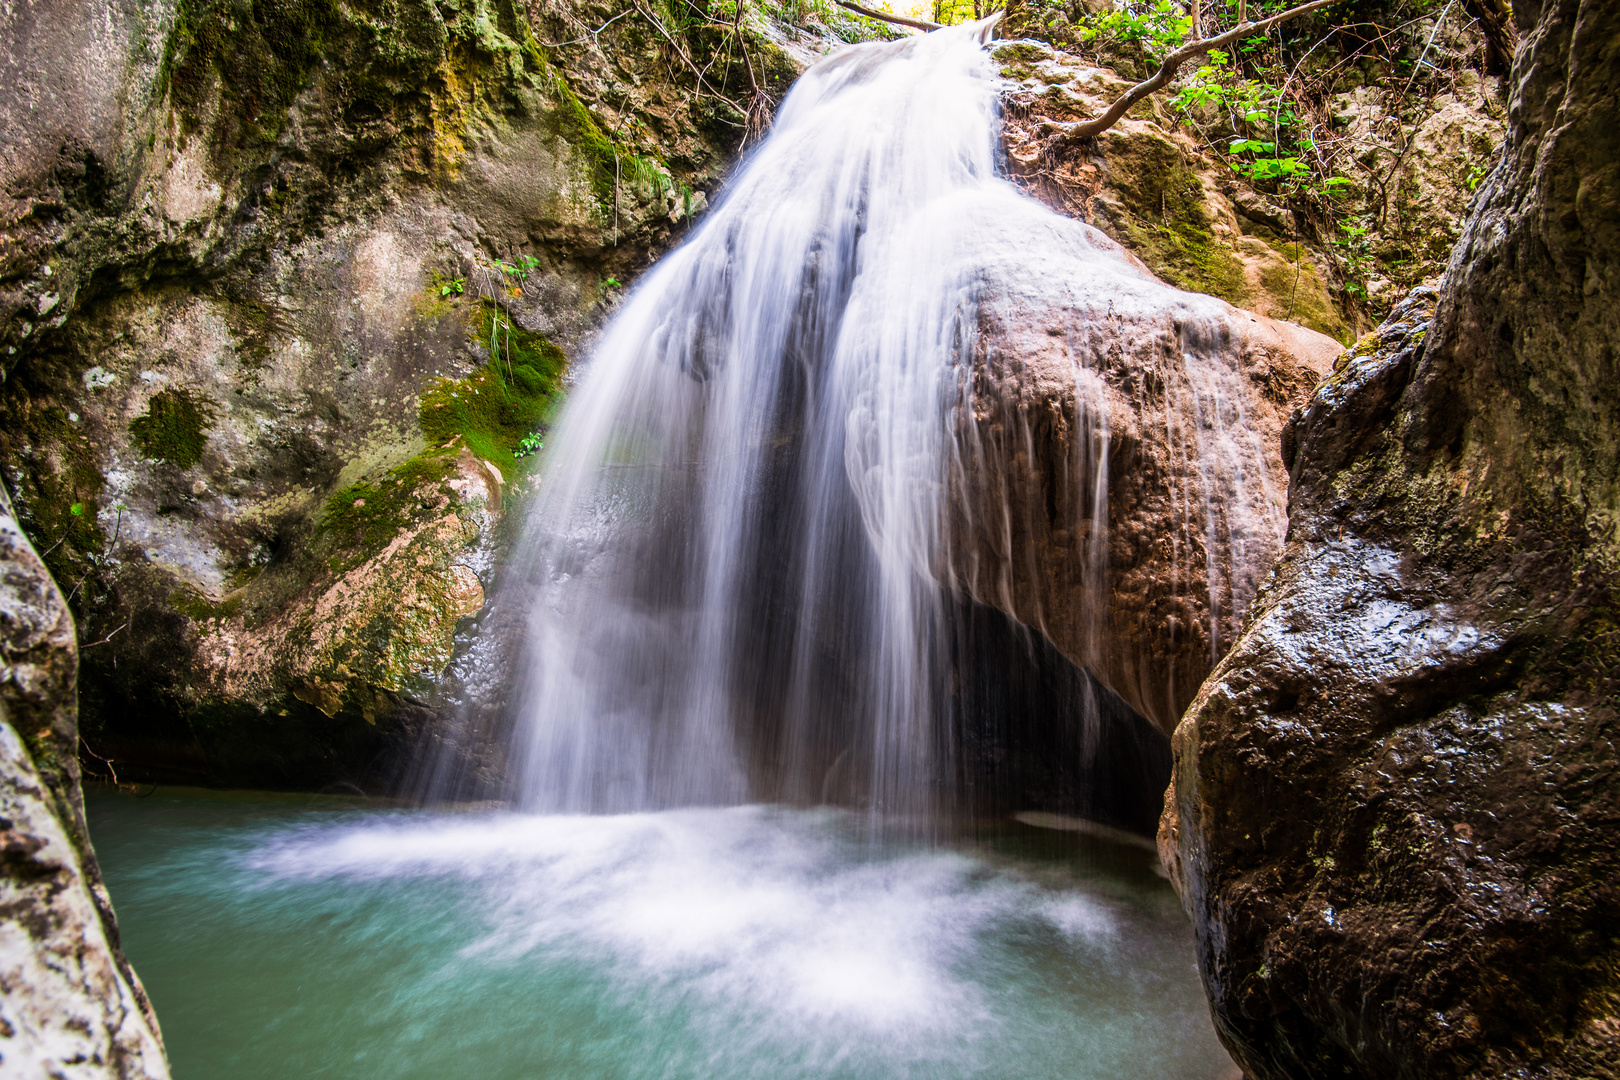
(748, 573)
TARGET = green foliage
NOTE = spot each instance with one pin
(529, 445)
(174, 427)
(1354, 249)
(455, 286)
(1158, 28)
(519, 270)
(1270, 138)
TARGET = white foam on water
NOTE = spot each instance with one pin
(776, 924)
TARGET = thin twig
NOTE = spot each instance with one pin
(105, 761)
(659, 26)
(1438, 23)
(106, 639)
(592, 34)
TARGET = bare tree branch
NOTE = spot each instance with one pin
(1087, 128)
(884, 16)
(1501, 36)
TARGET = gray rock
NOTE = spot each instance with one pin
(242, 245)
(72, 1006)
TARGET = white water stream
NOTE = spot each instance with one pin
(733, 563)
(740, 586)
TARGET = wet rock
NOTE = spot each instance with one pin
(72, 1006)
(1118, 485)
(1395, 799)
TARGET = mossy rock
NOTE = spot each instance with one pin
(1165, 218)
(512, 396)
(363, 518)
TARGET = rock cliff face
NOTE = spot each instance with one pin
(72, 1005)
(1395, 799)
(284, 289)
(1404, 117)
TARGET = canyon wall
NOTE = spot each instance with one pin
(1395, 799)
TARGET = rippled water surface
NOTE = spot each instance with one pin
(285, 936)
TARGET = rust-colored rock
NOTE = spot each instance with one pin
(1117, 483)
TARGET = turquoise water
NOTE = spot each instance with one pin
(294, 937)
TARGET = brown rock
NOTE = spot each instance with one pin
(1118, 484)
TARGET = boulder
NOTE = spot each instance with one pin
(72, 1005)
(1116, 484)
(1396, 797)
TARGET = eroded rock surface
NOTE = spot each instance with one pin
(1396, 798)
(1117, 484)
(70, 1005)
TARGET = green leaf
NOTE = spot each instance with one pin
(1248, 146)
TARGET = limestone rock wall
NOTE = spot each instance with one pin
(1395, 800)
(284, 290)
(70, 1005)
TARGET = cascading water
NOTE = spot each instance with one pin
(752, 556)
(742, 507)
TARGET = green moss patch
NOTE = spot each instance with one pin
(1167, 222)
(174, 427)
(489, 412)
(62, 496)
(512, 396)
(363, 518)
(261, 53)
(197, 607)
(1299, 295)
